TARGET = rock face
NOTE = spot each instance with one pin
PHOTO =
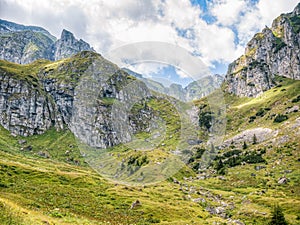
(25, 44)
(67, 46)
(8, 27)
(76, 93)
(203, 87)
(274, 51)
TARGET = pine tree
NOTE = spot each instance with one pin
(212, 148)
(245, 146)
(277, 217)
(219, 166)
(254, 139)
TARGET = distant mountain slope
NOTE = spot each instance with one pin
(274, 51)
(193, 91)
(25, 44)
(7, 27)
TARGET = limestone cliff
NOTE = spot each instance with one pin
(41, 95)
(274, 51)
(25, 44)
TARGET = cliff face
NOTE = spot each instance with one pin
(38, 96)
(274, 51)
(68, 45)
(25, 44)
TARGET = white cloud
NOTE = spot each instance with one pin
(227, 12)
(181, 73)
(261, 15)
(147, 69)
(108, 24)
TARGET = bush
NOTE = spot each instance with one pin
(205, 119)
(277, 217)
(261, 112)
(231, 153)
(297, 99)
(254, 158)
(252, 118)
(280, 118)
(236, 158)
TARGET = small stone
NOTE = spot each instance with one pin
(135, 204)
(282, 180)
(28, 148)
(43, 154)
(22, 142)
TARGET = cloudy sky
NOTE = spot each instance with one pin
(215, 31)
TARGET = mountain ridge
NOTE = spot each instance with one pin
(25, 44)
(274, 51)
(193, 91)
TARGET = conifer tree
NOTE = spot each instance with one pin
(254, 139)
(277, 216)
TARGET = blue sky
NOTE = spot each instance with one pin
(214, 31)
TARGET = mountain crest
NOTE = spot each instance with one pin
(25, 44)
(68, 45)
(274, 51)
(66, 35)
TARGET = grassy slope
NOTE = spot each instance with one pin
(62, 189)
(34, 189)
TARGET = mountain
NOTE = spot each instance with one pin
(25, 44)
(274, 51)
(194, 90)
(203, 87)
(48, 176)
(68, 45)
(41, 95)
(8, 27)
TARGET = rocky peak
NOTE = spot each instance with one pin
(274, 51)
(25, 44)
(296, 10)
(68, 45)
(66, 36)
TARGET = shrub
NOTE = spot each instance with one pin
(231, 153)
(205, 119)
(252, 118)
(280, 118)
(261, 112)
(254, 158)
(297, 99)
(277, 217)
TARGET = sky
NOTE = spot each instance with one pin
(214, 31)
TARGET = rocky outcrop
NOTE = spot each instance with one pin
(77, 94)
(25, 44)
(274, 51)
(68, 45)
